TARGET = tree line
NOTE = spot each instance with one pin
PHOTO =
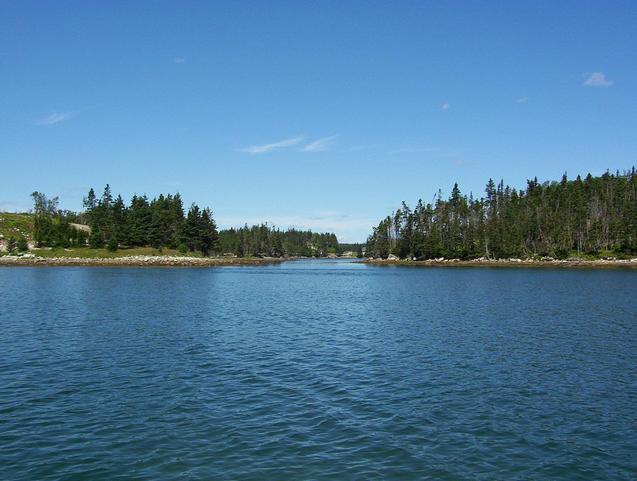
(270, 241)
(159, 222)
(52, 227)
(162, 222)
(591, 216)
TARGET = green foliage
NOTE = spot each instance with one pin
(12, 245)
(160, 223)
(16, 225)
(22, 245)
(557, 219)
(199, 231)
(87, 252)
(112, 245)
(350, 247)
(263, 240)
(52, 226)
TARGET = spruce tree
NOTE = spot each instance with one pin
(22, 245)
(12, 245)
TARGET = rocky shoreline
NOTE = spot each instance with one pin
(483, 262)
(137, 261)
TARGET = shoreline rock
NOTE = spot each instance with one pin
(513, 262)
(137, 261)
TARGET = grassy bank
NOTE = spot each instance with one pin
(16, 225)
(88, 253)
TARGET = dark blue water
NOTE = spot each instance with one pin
(317, 370)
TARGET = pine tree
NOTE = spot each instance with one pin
(209, 237)
(22, 245)
(191, 231)
(12, 245)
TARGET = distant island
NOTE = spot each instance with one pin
(580, 220)
(147, 229)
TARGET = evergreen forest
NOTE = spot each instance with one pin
(589, 216)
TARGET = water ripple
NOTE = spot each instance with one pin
(317, 370)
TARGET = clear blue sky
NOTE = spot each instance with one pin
(314, 114)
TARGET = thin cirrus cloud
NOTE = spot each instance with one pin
(320, 145)
(180, 60)
(522, 100)
(597, 79)
(445, 106)
(56, 118)
(281, 144)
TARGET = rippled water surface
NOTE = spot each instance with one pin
(317, 370)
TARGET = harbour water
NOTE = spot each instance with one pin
(321, 369)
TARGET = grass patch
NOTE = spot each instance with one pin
(16, 225)
(601, 255)
(87, 253)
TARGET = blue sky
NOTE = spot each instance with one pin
(314, 114)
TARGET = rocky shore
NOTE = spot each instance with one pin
(484, 262)
(137, 261)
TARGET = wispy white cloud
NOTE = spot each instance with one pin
(320, 145)
(281, 144)
(597, 79)
(56, 118)
(522, 100)
(445, 106)
(179, 60)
